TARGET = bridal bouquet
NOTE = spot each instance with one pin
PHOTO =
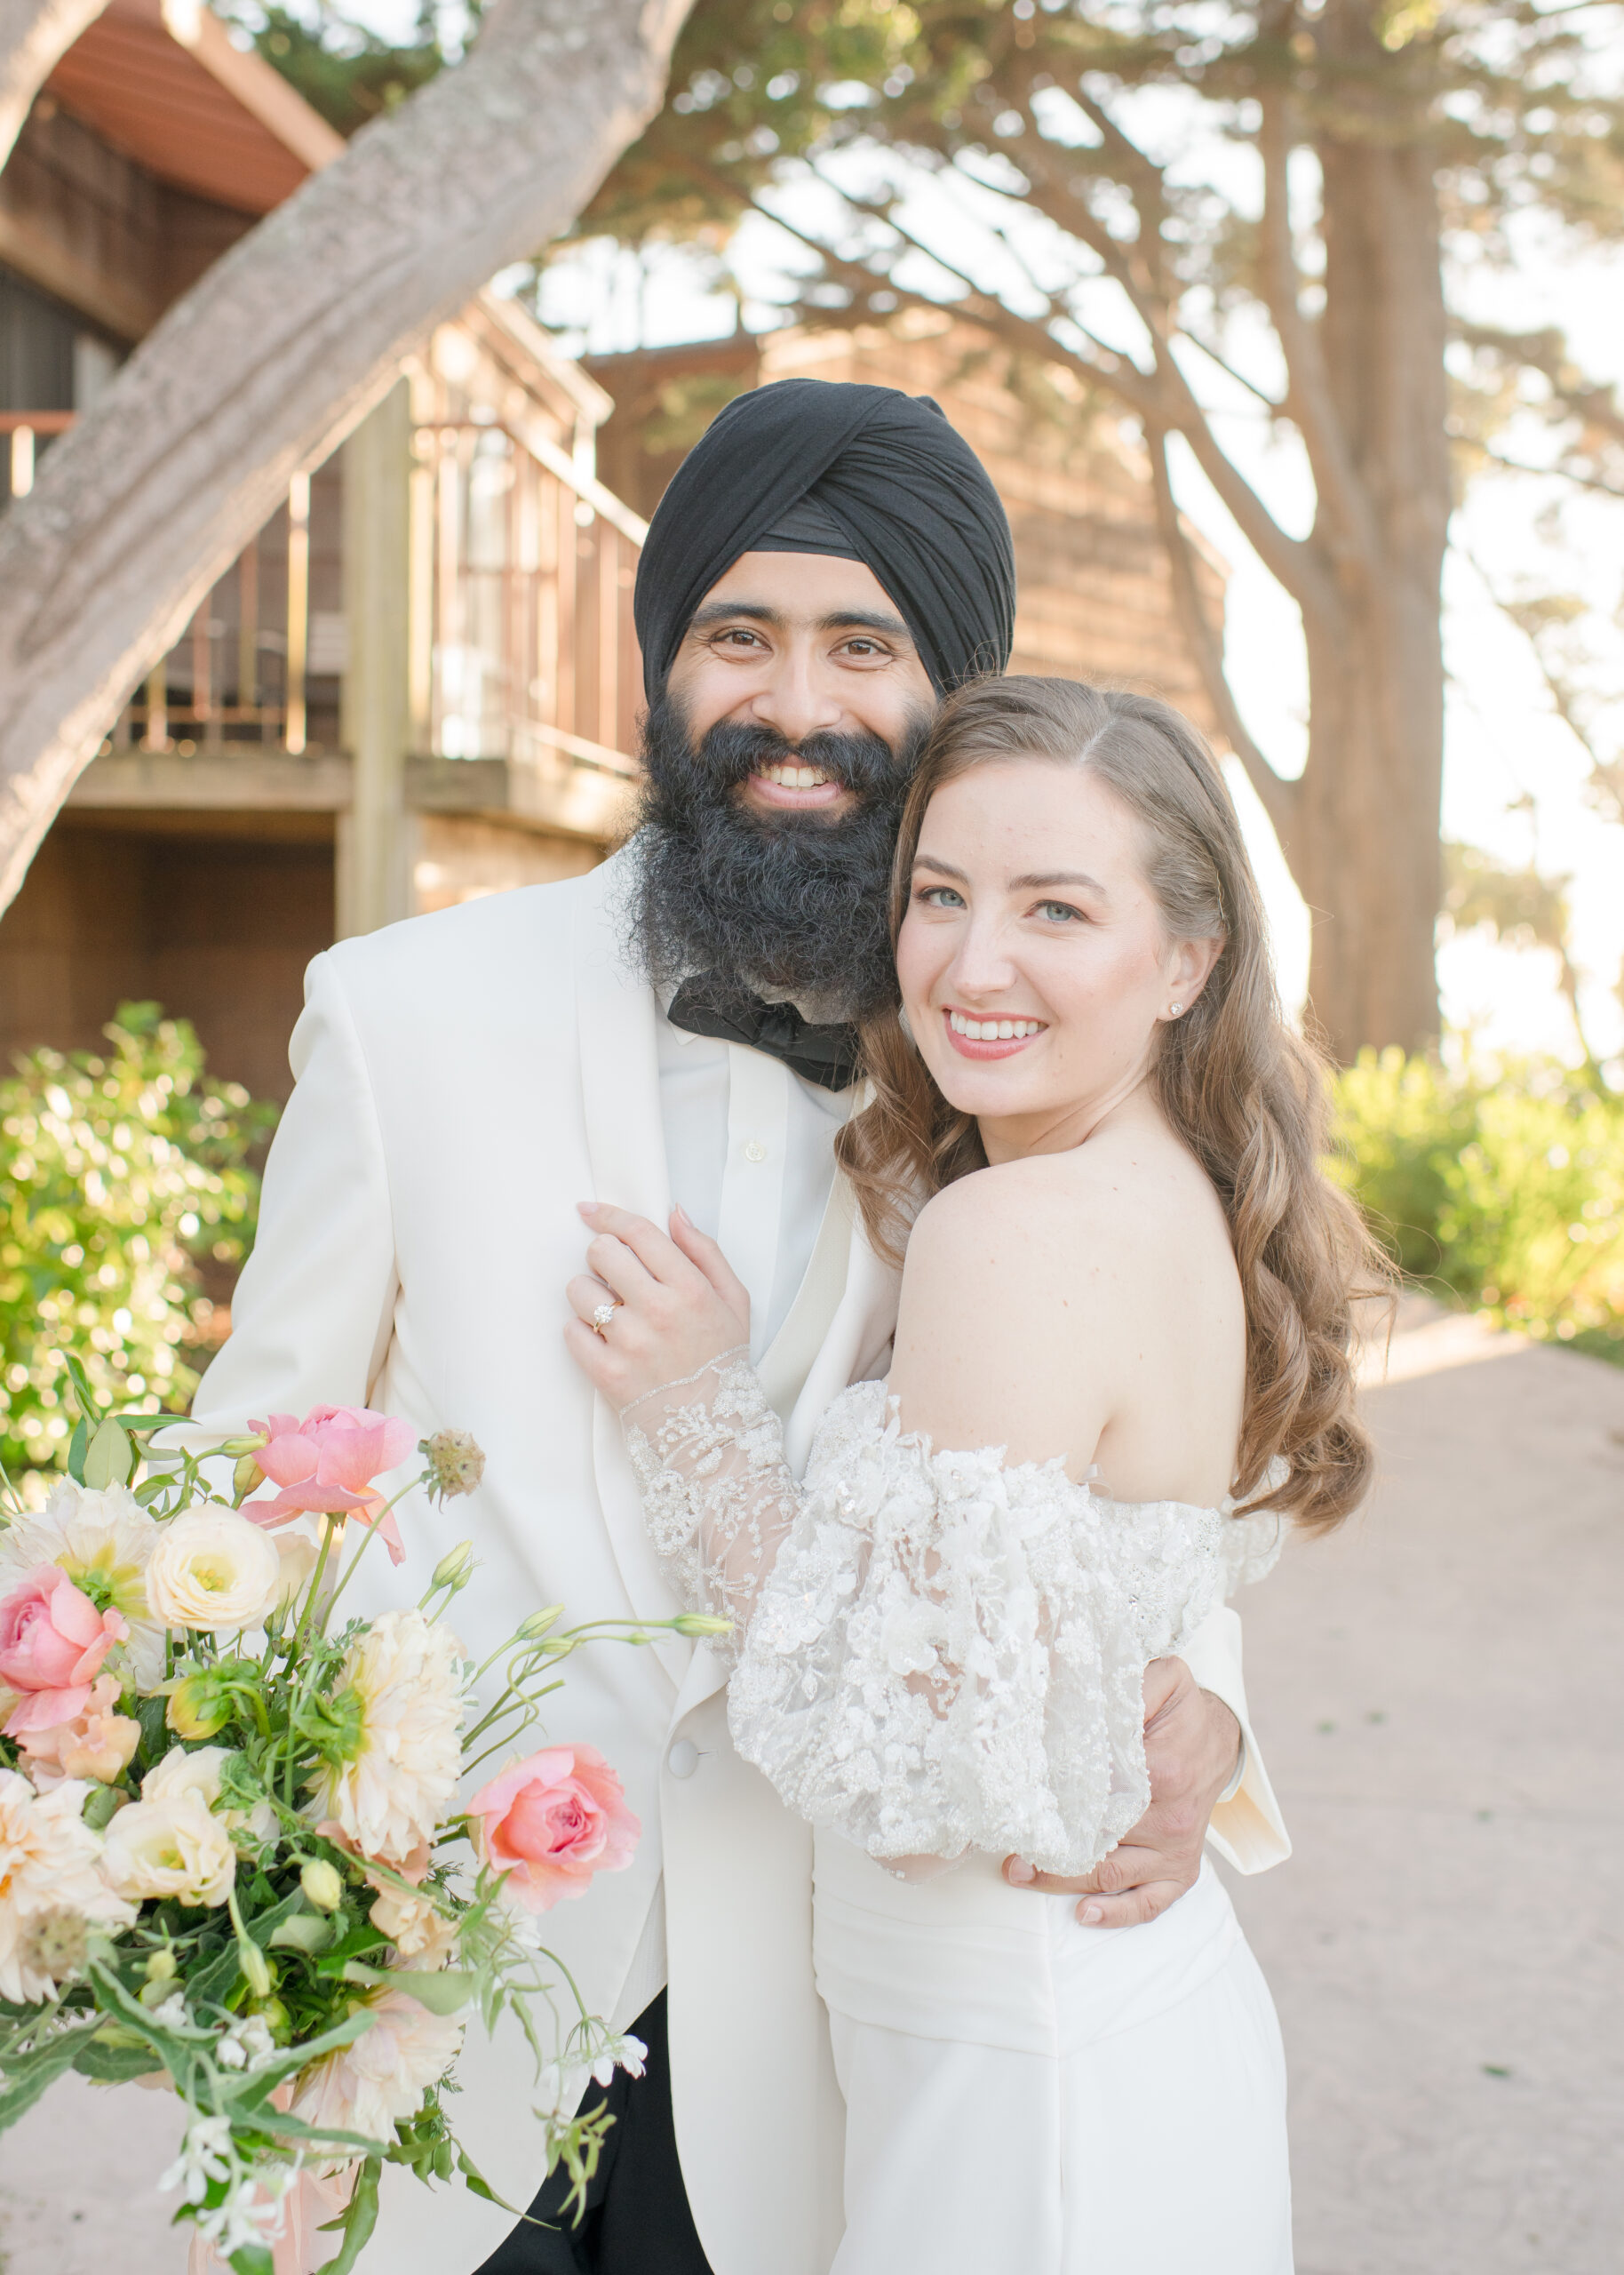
(232, 1860)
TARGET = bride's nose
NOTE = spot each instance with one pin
(982, 967)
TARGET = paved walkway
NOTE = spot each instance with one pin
(1440, 1689)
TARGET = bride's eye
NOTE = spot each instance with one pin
(938, 897)
(1059, 911)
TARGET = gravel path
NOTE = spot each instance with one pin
(1440, 1689)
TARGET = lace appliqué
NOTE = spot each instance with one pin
(934, 1651)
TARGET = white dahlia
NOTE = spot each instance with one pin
(368, 2085)
(403, 1688)
(50, 1874)
(104, 1542)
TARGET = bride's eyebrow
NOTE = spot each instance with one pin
(1058, 877)
(1030, 884)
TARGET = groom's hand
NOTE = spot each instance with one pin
(1192, 1747)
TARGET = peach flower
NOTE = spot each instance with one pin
(97, 1745)
(52, 1640)
(552, 1821)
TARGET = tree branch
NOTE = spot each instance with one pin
(1279, 796)
(34, 34)
(1308, 400)
(277, 352)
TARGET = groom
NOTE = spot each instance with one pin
(674, 1026)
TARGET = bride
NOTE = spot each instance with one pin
(1121, 1365)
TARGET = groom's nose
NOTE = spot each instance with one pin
(797, 697)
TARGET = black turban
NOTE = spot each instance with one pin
(810, 466)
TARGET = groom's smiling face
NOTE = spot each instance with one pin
(800, 654)
(776, 760)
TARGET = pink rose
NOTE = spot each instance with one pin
(551, 1822)
(327, 1464)
(99, 1742)
(52, 1638)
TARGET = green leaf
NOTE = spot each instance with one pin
(76, 1447)
(363, 1937)
(110, 1458)
(113, 2065)
(253, 2259)
(359, 2221)
(445, 1992)
(305, 1932)
(28, 2075)
(90, 1405)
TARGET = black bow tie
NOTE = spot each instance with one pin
(715, 1006)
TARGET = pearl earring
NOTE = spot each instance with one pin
(1176, 1011)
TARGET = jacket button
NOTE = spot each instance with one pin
(684, 1759)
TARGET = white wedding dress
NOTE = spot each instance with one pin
(938, 1660)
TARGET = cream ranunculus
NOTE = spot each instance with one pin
(50, 1871)
(196, 1776)
(212, 1569)
(104, 1542)
(403, 1684)
(170, 1847)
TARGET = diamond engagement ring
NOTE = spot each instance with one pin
(601, 1317)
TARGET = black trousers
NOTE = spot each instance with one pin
(637, 2221)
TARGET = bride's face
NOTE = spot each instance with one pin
(1034, 961)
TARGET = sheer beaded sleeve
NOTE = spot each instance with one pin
(932, 1651)
(718, 1495)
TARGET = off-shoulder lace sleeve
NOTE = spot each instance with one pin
(934, 1651)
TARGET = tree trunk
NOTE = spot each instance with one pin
(1365, 839)
(277, 352)
(34, 34)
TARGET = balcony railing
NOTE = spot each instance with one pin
(523, 572)
(519, 644)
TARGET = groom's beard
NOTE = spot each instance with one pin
(795, 904)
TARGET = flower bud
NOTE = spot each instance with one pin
(454, 1569)
(532, 1630)
(246, 1476)
(256, 1971)
(321, 1884)
(701, 1623)
(199, 1704)
(456, 1463)
(160, 1967)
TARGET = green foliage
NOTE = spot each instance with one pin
(343, 69)
(120, 1175)
(1501, 1188)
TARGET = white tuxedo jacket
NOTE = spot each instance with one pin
(463, 1080)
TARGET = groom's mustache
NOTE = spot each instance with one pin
(732, 751)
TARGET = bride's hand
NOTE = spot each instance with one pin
(678, 1304)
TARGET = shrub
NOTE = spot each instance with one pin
(123, 1180)
(1501, 1188)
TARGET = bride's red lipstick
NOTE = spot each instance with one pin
(1000, 1047)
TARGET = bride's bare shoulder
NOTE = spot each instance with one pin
(1124, 1198)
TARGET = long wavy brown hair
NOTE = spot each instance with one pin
(1245, 1093)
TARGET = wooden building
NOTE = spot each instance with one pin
(417, 683)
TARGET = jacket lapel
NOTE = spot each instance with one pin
(626, 1144)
